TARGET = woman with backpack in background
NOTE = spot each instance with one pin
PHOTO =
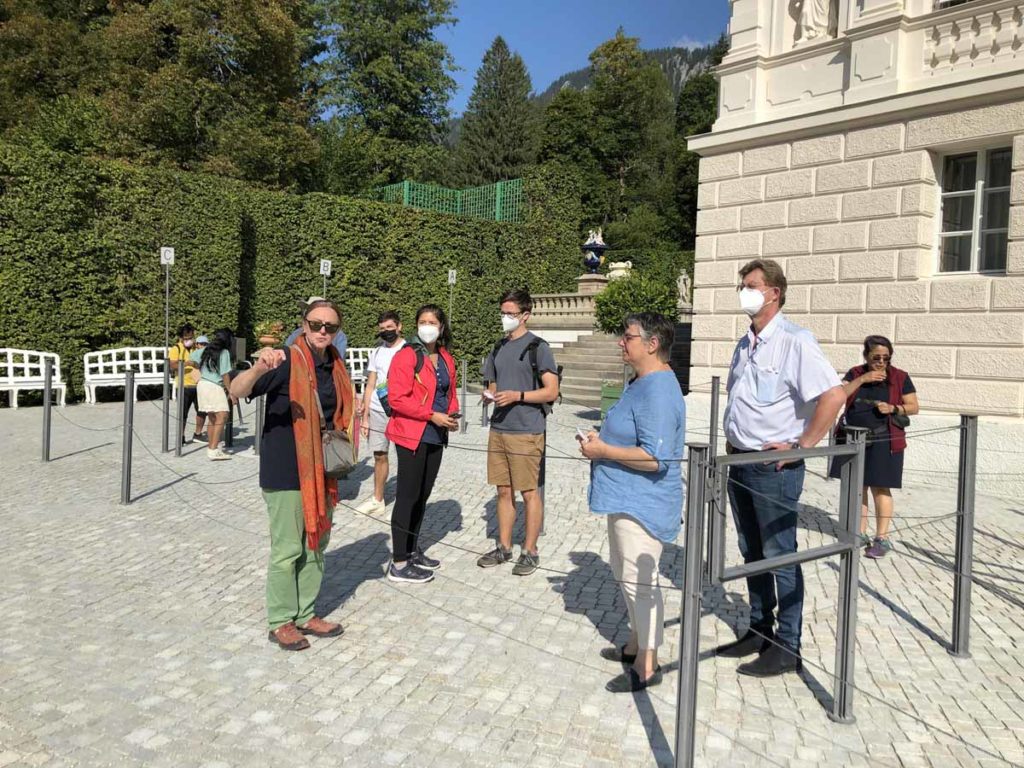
(424, 409)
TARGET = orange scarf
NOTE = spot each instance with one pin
(317, 491)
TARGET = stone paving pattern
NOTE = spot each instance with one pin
(136, 634)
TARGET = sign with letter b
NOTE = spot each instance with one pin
(325, 267)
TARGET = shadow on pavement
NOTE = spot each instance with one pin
(348, 567)
(82, 450)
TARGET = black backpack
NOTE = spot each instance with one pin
(531, 350)
(383, 397)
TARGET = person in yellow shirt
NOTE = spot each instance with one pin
(181, 351)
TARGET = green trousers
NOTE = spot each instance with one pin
(295, 572)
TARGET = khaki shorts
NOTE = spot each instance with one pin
(211, 397)
(513, 459)
(376, 441)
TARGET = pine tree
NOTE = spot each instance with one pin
(388, 84)
(497, 139)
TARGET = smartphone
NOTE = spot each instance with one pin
(488, 395)
(583, 435)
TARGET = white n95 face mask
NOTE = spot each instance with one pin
(509, 323)
(428, 333)
(751, 301)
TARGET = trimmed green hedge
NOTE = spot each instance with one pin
(79, 269)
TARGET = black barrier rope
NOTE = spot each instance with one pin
(82, 426)
(669, 586)
(880, 700)
(189, 477)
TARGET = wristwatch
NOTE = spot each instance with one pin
(522, 397)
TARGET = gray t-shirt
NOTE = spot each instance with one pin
(517, 375)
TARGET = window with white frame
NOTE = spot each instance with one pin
(975, 211)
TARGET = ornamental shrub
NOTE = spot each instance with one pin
(79, 270)
(635, 293)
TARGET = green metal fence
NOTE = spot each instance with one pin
(503, 201)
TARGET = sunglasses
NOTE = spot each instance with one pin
(316, 325)
(880, 358)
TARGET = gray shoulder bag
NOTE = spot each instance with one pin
(339, 453)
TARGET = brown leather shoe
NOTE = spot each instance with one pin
(320, 628)
(289, 638)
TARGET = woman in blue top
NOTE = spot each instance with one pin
(636, 480)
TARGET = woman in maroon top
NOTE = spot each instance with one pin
(875, 392)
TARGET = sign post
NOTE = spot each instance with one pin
(451, 293)
(325, 270)
(167, 260)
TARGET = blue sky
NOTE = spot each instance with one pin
(556, 36)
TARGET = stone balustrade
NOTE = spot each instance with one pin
(564, 310)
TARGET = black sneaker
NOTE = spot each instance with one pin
(496, 556)
(409, 572)
(420, 560)
(526, 564)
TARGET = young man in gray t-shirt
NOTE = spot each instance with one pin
(516, 443)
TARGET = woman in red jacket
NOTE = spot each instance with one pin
(424, 409)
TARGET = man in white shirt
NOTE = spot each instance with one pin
(783, 394)
(371, 409)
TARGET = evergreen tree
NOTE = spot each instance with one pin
(388, 82)
(497, 139)
(223, 87)
(696, 112)
(633, 114)
(569, 135)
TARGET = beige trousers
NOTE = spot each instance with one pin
(635, 555)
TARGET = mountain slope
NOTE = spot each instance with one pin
(678, 64)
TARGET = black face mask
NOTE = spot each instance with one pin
(388, 337)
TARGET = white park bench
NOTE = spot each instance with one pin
(357, 359)
(107, 368)
(25, 369)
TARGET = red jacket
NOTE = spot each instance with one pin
(412, 395)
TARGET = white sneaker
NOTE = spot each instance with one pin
(217, 455)
(372, 507)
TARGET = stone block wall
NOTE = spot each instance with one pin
(852, 215)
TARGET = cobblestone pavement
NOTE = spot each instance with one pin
(137, 632)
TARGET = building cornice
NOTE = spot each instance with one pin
(995, 89)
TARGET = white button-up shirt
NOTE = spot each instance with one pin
(774, 380)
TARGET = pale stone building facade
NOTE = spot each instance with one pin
(876, 149)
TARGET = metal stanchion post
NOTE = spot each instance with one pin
(716, 529)
(166, 424)
(229, 426)
(689, 627)
(483, 400)
(465, 395)
(181, 408)
(47, 405)
(258, 437)
(127, 429)
(963, 563)
(852, 483)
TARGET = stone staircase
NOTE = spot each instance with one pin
(587, 363)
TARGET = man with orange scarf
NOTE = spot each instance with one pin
(300, 499)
